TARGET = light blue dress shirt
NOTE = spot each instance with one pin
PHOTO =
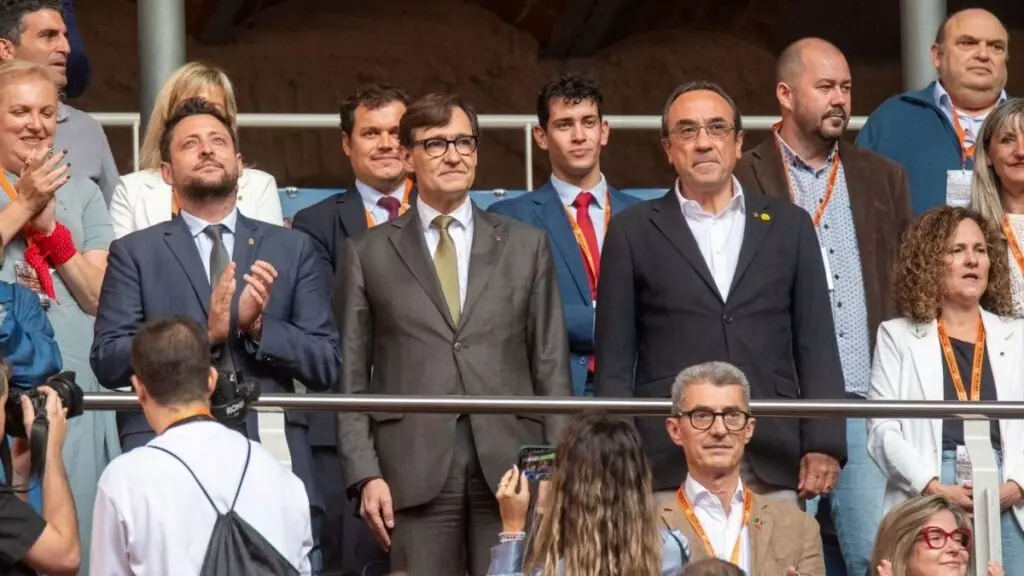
(205, 244)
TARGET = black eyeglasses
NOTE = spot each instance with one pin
(734, 420)
(936, 538)
(437, 147)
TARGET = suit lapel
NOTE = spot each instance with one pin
(551, 213)
(667, 216)
(768, 170)
(759, 528)
(247, 240)
(926, 355)
(999, 346)
(351, 213)
(754, 230)
(407, 238)
(673, 519)
(483, 256)
(183, 247)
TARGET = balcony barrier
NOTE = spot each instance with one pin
(524, 122)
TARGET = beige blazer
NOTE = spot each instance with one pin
(781, 537)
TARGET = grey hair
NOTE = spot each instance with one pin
(714, 373)
(986, 190)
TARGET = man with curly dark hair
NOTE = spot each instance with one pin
(574, 206)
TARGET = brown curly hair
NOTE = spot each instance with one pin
(918, 288)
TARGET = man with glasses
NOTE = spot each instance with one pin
(711, 271)
(714, 508)
(444, 300)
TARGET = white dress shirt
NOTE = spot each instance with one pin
(719, 236)
(204, 243)
(567, 193)
(371, 196)
(721, 529)
(151, 517)
(461, 231)
(142, 199)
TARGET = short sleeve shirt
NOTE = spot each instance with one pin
(20, 527)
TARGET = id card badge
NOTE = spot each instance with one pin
(958, 188)
(27, 277)
(828, 269)
(963, 466)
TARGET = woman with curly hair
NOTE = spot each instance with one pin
(600, 520)
(955, 342)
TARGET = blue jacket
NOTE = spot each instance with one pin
(507, 559)
(26, 337)
(912, 130)
(543, 209)
(79, 70)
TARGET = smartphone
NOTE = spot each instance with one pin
(536, 461)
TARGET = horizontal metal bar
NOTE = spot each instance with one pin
(624, 406)
(487, 121)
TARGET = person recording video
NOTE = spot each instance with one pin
(30, 542)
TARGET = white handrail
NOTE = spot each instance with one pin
(523, 122)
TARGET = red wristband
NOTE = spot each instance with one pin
(58, 247)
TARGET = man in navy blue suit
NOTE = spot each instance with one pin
(200, 262)
(574, 206)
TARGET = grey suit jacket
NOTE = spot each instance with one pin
(398, 338)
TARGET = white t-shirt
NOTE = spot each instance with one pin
(151, 518)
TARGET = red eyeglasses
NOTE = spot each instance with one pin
(936, 538)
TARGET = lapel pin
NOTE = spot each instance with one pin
(756, 523)
(251, 242)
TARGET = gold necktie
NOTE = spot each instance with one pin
(447, 264)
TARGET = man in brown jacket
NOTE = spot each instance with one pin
(719, 516)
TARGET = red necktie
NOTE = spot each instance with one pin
(586, 225)
(392, 205)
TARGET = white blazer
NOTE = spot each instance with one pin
(908, 365)
(142, 199)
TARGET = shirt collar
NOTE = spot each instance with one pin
(737, 201)
(567, 193)
(463, 215)
(371, 195)
(197, 225)
(945, 103)
(791, 157)
(698, 494)
(63, 111)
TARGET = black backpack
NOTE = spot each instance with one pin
(235, 546)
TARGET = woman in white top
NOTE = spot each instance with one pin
(955, 341)
(142, 198)
(998, 187)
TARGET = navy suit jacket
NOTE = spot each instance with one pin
(543, 209)
(157, 271)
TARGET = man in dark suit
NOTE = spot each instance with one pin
(574, 206)
(445, 300)
(206, 261)
(712, 271)
(860, 205)
(380, 193)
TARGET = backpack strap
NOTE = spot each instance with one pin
(198, 483)
(245, 469)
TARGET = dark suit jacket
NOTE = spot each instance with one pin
(880, 202)
(543, 209)
(398, 338)
(660, 312)
(329, 223)
(157, 272)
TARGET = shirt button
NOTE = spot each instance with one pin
(842, 334)
(831, 251)
(825, 226)
(839, 304)
(837, 276)
(727, 318)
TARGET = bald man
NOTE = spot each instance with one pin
(932, 131)
(859, 205)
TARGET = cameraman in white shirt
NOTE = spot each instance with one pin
(151, 516)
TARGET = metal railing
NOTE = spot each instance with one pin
(524, 122)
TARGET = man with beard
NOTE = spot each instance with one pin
(932, 131)
(207, 261)
(859, 205)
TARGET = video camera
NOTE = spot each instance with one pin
(232, 396)
(71, 397)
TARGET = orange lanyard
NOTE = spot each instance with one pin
(191, 414)
(1011, 239)
(954, 369)
(966, 152)
(582, 240)
(12, 194)
(370, 222)
(833, 174)
(175, 209)
(691, 517)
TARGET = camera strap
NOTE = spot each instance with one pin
(37, 452)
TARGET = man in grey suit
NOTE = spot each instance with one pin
(445, 299)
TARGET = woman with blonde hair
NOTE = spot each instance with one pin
(998, 187)
(925, 536)
(142, 199)
(600, 520)
(955, 342)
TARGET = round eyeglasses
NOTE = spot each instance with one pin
(734, 420)
(437, 147)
